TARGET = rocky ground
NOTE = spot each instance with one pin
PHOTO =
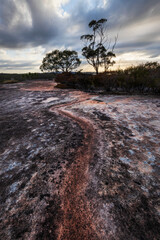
(78, 166)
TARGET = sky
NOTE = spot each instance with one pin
(31, 28)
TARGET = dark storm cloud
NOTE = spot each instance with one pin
(136, 22)
(122, 16)
(126, 12)
(26, 23)
(118, 12)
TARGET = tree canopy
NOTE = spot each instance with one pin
(60, 61)
(97, 45)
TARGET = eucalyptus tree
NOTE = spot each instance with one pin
(60, 61)
(96, 48)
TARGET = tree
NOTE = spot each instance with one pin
(63, 61)
(107, 60)
(97, 45)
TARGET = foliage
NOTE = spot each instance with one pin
(78, 80)
(13, 78)
(144, 78)
(63, 61)
(61, 86)
(96, 49)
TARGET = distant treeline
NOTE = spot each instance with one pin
(144, 78)
(13, 78)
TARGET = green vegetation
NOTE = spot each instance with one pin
(96, 52)
(97, 44)
(144, 78)
(64, 61)
(14, 78)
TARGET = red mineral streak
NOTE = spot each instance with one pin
(40, 86)
(77, 220)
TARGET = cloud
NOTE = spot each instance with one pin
(29, 22)
(16, 60)
(59, 24)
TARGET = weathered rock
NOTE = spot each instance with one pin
(78, 166)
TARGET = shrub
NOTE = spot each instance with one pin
(144, 78)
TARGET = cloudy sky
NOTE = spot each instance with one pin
(31, 28)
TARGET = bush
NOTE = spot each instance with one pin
(78, 80)
(13, 78)
(61, 86)
(144, 78)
